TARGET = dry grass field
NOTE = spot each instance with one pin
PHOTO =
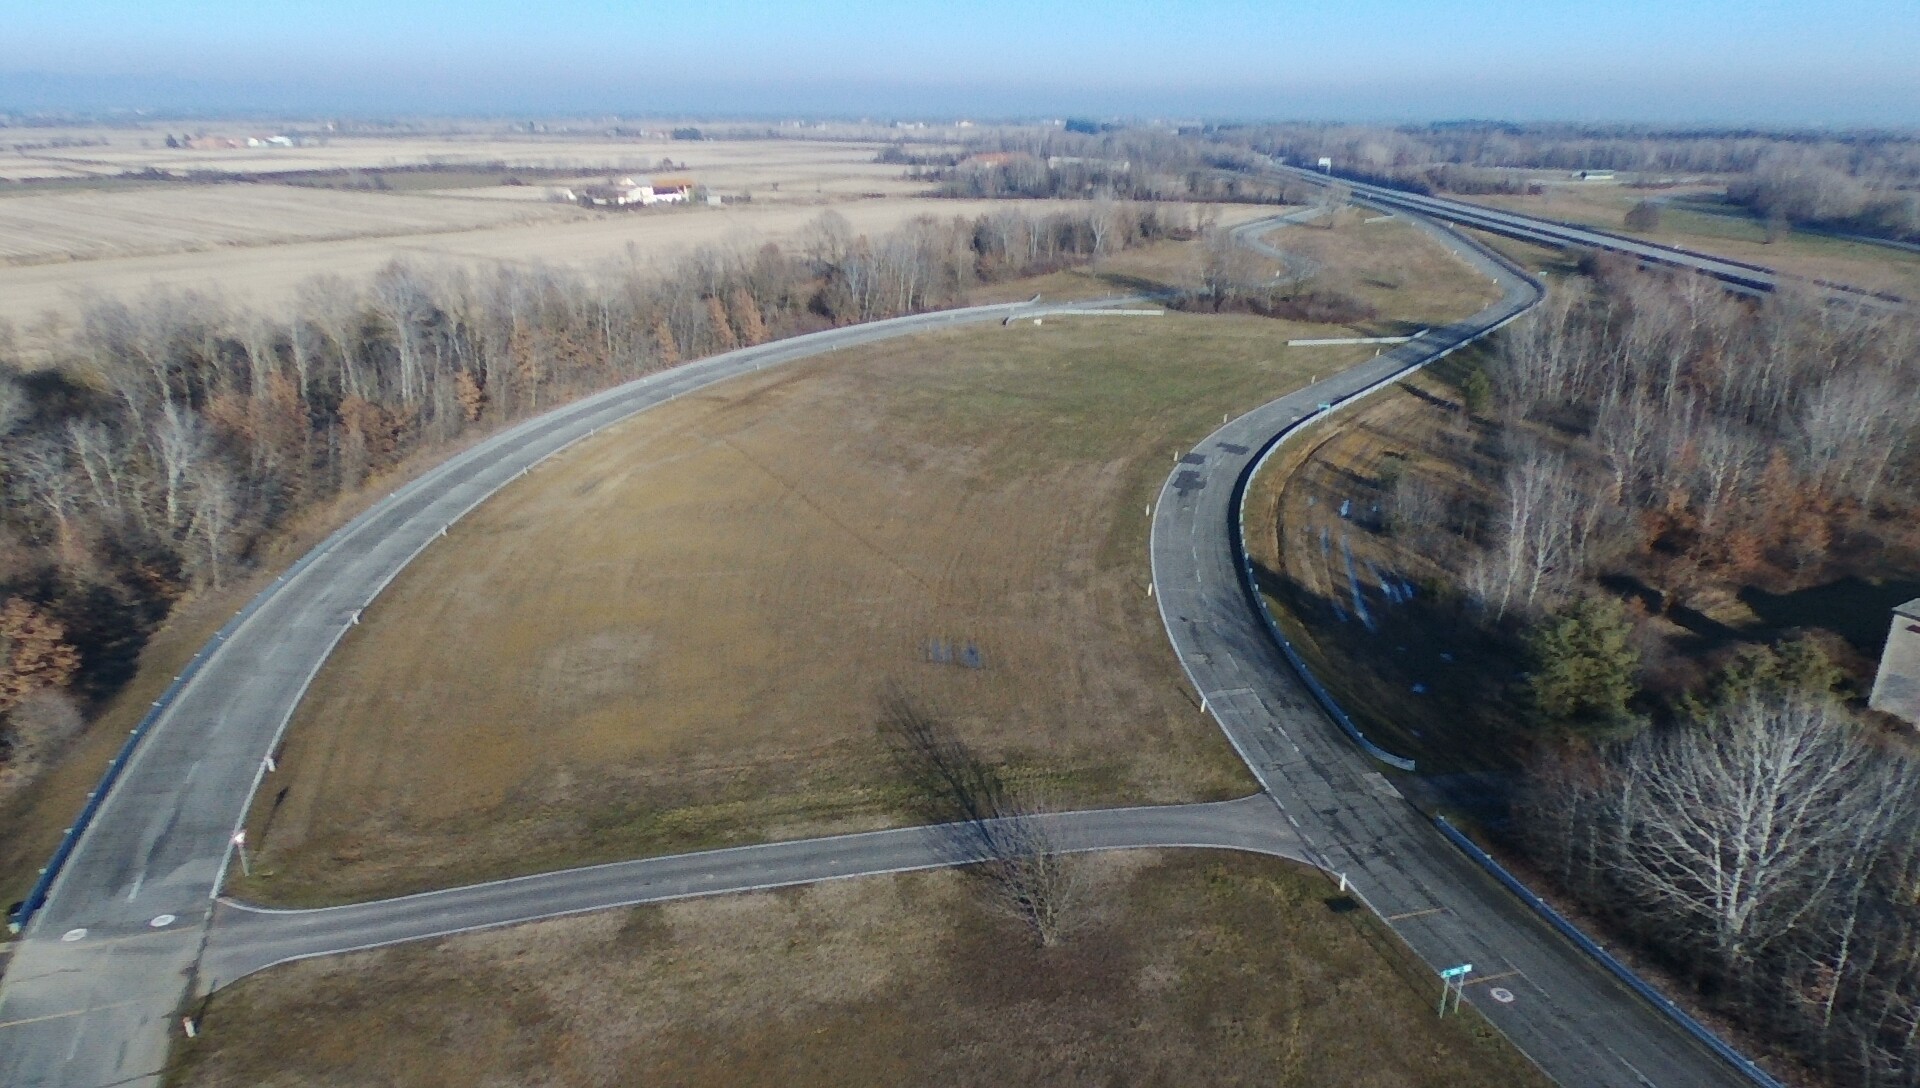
(34, 819)
(746, 162)
(82, 226)
(1392, 266)
(1187, 969)
(676, 636)
(267, 276)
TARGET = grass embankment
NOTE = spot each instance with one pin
(1192, 969)
(1391, 266)
(1367, 610)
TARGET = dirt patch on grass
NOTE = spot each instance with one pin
(1197, 968)
(674, 636)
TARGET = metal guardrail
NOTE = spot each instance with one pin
(1320, 693)
(1620, 971)
(37, 895)
(1567, 929)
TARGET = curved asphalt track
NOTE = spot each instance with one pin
(1574, 1019)
(95, 1010)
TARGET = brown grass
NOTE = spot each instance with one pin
(267, 276)
(86, 226)
(1193, 969)
(675, 636)
(1393, 267)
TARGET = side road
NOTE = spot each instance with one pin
(246, 938)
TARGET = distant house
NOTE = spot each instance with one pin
(666, 191)
(627, 192)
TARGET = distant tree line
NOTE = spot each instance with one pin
(160, 443)
(1130, 164)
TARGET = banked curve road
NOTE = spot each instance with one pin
(102, 966)
(1573, 1018)
(90, 994)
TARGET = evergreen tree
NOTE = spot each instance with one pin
(1584, 663)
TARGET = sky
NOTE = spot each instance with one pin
(1809, 62)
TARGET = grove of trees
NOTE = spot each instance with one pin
(1645, 446)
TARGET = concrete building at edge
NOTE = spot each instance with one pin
(1896, 688)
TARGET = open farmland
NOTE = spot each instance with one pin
(268, 276)
(677, 635)
(749, 161)
(82, 226)
(1186, 969)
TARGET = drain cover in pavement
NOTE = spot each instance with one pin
(161, 921)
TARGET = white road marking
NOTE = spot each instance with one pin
(161, 921)
(73, 935)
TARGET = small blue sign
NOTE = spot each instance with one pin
(1456, 972)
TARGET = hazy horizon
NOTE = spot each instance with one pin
(1704, 62)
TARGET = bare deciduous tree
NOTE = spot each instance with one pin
(1746, 827)
(1021, 869)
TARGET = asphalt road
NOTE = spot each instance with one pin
(1741, 275)
(246, 938)
(89, 998)
(1570, 1016)
(97, 975)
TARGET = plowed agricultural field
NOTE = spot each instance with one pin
(88, 226)
(676, 635)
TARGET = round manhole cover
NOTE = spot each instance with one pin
(161, 921)
(73, 934)
(1501, 994)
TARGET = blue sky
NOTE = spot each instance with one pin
(1814, 61)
